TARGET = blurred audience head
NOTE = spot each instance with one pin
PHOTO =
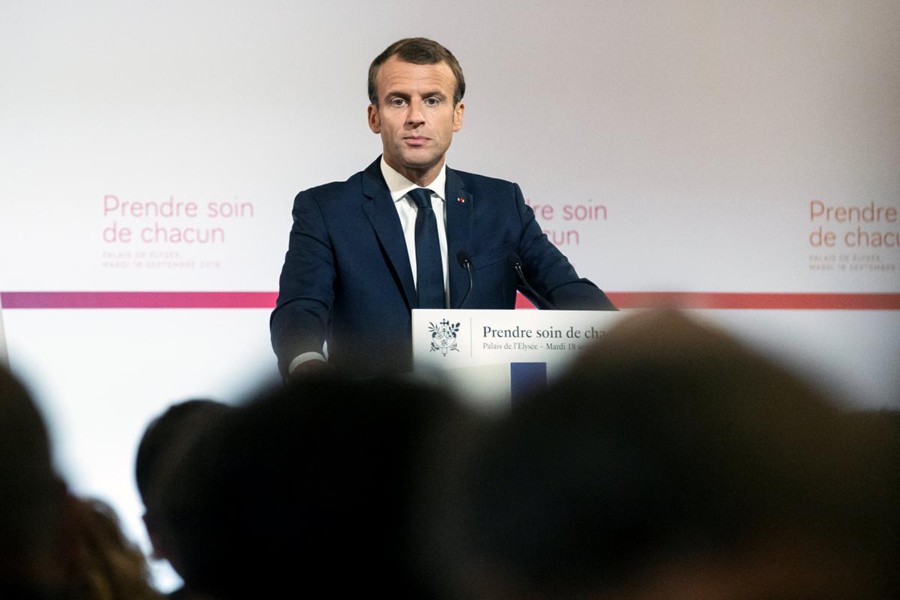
(100, 562)
(671, 461)
(32, 496)
(54, 545)
(313, 488)
(165, 442)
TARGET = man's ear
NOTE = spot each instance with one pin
(374, 119)
(458, 113)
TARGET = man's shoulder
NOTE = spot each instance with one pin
(333, 186)
(353, 184)
(478, 179)
(481, 187)
(335, 189)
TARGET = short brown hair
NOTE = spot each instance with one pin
(418, 51)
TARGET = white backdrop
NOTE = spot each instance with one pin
(692, 147)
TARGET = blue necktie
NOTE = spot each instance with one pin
(429, 270)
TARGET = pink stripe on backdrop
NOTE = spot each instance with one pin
(266, 300)
(138, 299)
(758, 301)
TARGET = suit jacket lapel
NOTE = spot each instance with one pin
(459, 230)
(379, 206)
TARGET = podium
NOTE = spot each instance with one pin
(493, 358)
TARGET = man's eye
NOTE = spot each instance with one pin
(432, 101)
(398, 102)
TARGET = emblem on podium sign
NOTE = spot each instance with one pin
(443, 336)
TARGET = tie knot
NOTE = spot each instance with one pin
(421, 196)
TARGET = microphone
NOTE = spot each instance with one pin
(514, 260)
(465, 261)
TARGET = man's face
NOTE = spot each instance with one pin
(415, 116)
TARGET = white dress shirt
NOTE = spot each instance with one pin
(407, 210)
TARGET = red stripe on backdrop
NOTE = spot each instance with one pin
(138, 299)
(266, 300)
(757, 301)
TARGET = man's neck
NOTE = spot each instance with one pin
(422, 178)
(399, 183)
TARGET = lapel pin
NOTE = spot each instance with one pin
(461, 200)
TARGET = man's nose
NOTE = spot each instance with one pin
(415, 115)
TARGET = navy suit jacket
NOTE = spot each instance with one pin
(347, 278)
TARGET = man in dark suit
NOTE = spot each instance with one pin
(357, 263)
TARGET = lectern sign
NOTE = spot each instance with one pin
(492, 356)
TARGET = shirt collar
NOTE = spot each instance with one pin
(400, 185)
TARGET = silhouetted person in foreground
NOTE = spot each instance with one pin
(311, 488)
(32, 498)
(883, 425)
(100, 562)
(164, 443)
(53, 545)
(673, 462)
